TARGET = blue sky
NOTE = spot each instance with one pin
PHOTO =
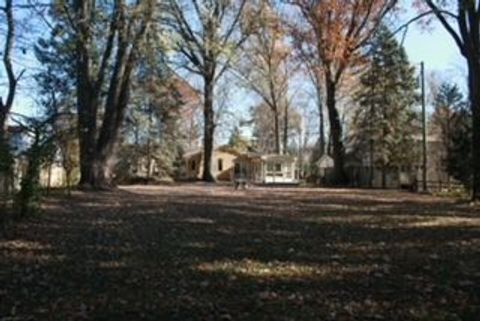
(434, 46)
(438, 50)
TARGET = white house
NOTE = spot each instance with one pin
(266, 169)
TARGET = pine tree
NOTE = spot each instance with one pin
(237, 142)
(451, 121)
(447, 123)
(385, 120)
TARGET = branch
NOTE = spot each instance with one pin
(439, 14)
(7, 60)
(109, 47)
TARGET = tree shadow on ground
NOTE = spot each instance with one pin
(190, 252)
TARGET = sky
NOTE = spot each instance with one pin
(434, 47)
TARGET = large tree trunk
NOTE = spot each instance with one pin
(209, 129)
(115, 108)
(285, 129)
(321, 134)
(87, 131)
(474, 87)
(276, 122)
(86, 101)
(384, 177)
(3, 125)
(338, 153)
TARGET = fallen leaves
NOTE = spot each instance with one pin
(179, 253)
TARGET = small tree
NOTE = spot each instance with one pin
(237, 142)
(40, 151)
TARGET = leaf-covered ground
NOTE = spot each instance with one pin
(195, 252)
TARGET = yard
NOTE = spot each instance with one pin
(196, 252)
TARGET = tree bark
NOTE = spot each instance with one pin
(276, 122)
(87, 132)
(474, 86)
(338, 152)
(384, 177)
(209, 129)
(3, 125)
(86, 101)
(321, 134)
(285, 129)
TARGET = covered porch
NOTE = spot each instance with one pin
(266, 169)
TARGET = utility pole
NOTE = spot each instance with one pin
(424, 129)
(372, 106)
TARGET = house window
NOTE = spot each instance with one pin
(278, 167)
(193, 165)
(220, 165)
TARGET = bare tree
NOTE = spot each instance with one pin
(267, 68)
(6, 105)
(307, 55)
(13, 78)
(207, 35)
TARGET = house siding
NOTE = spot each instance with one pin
(225, 174)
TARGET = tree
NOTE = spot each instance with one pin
(37, 154)
(461, 19)
(264, 129)
(106, 40)
(207, 35)
(152, 136)
(339, 30)
(307, 55)
(55, 88)
(448, 102)
(459, 153)
(384, 123)
(237, 142)
(13, 79)
(267, 68)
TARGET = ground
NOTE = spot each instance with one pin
(205, 252)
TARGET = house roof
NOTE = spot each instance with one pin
(278, 157)
(223, 148)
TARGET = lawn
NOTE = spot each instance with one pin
(204, 252)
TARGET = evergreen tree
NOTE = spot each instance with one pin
(152, 138)
(448, 123)
(452, 122)
(237, 142)
(384, 122)
(459, 157)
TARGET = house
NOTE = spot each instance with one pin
(221, 165)
(228, 164)
(266, 169)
